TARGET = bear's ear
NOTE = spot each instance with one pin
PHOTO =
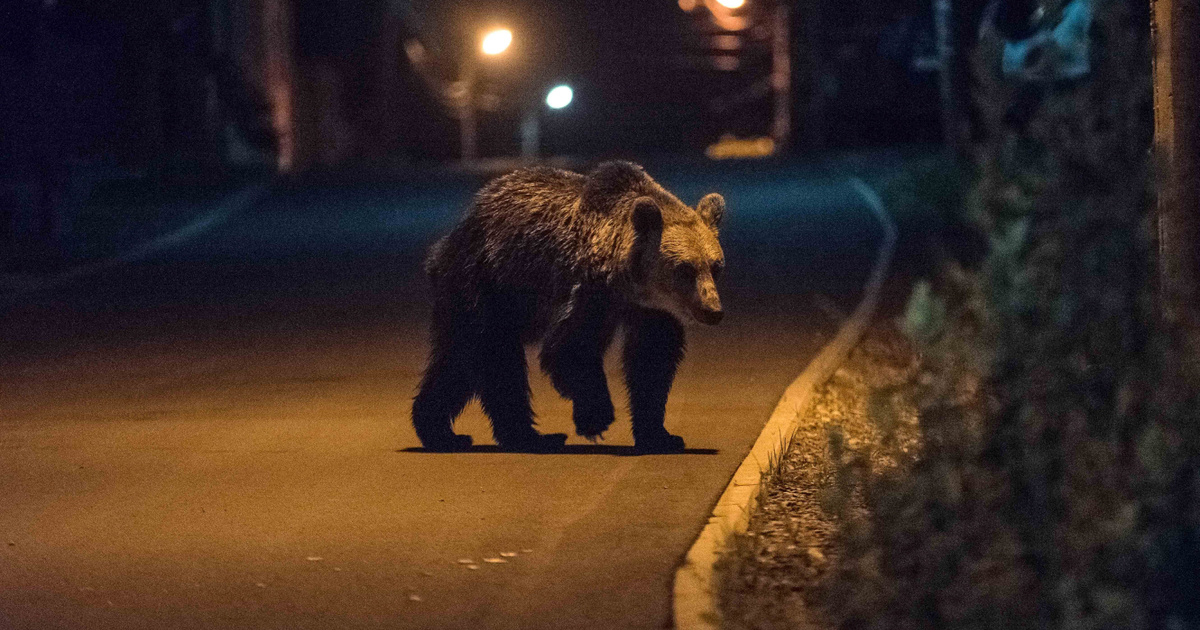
(647, 217)
(712, 208)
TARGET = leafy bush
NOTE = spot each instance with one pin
(1057, 478)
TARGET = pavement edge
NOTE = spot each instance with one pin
(694, 592)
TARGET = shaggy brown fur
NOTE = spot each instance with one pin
(550, 255)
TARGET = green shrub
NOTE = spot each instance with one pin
(1056, 482)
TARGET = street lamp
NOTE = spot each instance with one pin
(496, 41)
(731, 4)
(493, 43)
(557, 97)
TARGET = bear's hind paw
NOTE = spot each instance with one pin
(592, 424)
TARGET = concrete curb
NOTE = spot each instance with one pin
(695, 605)
(13, 285)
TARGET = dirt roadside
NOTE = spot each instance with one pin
(773, 575)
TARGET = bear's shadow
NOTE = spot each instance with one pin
(570, 449)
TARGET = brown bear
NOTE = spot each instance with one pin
(566, 259)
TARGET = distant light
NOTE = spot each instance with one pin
(731, 147)
(731, 4)
(497, 41)
(688, 5)
(560, 97)
(415, 51)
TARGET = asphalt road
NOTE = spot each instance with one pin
(218, 437)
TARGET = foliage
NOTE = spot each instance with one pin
(1056, 482)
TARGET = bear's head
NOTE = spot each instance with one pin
(677, 257)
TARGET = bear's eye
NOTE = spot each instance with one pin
(685, 272)
(716, 269)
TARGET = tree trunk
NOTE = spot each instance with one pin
(1175, 143)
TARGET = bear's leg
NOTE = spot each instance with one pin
(577, 372)
(654, 344)
(445, 389)
(573, 357)
(504, 392)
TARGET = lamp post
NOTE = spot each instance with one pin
(557, 97)
(781, 76)
(493, 43)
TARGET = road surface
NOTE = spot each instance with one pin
(218, 437)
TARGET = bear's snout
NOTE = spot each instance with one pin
(707, 309)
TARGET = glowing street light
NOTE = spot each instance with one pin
(559, 97)
(494, 42)
(731, 4)
(497, 41)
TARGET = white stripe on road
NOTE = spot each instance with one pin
(234, 203)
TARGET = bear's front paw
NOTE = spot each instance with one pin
(449, 443)
(658, 443)
(536, 443)
(591, 422)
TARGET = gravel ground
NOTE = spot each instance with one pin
(773, 576)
